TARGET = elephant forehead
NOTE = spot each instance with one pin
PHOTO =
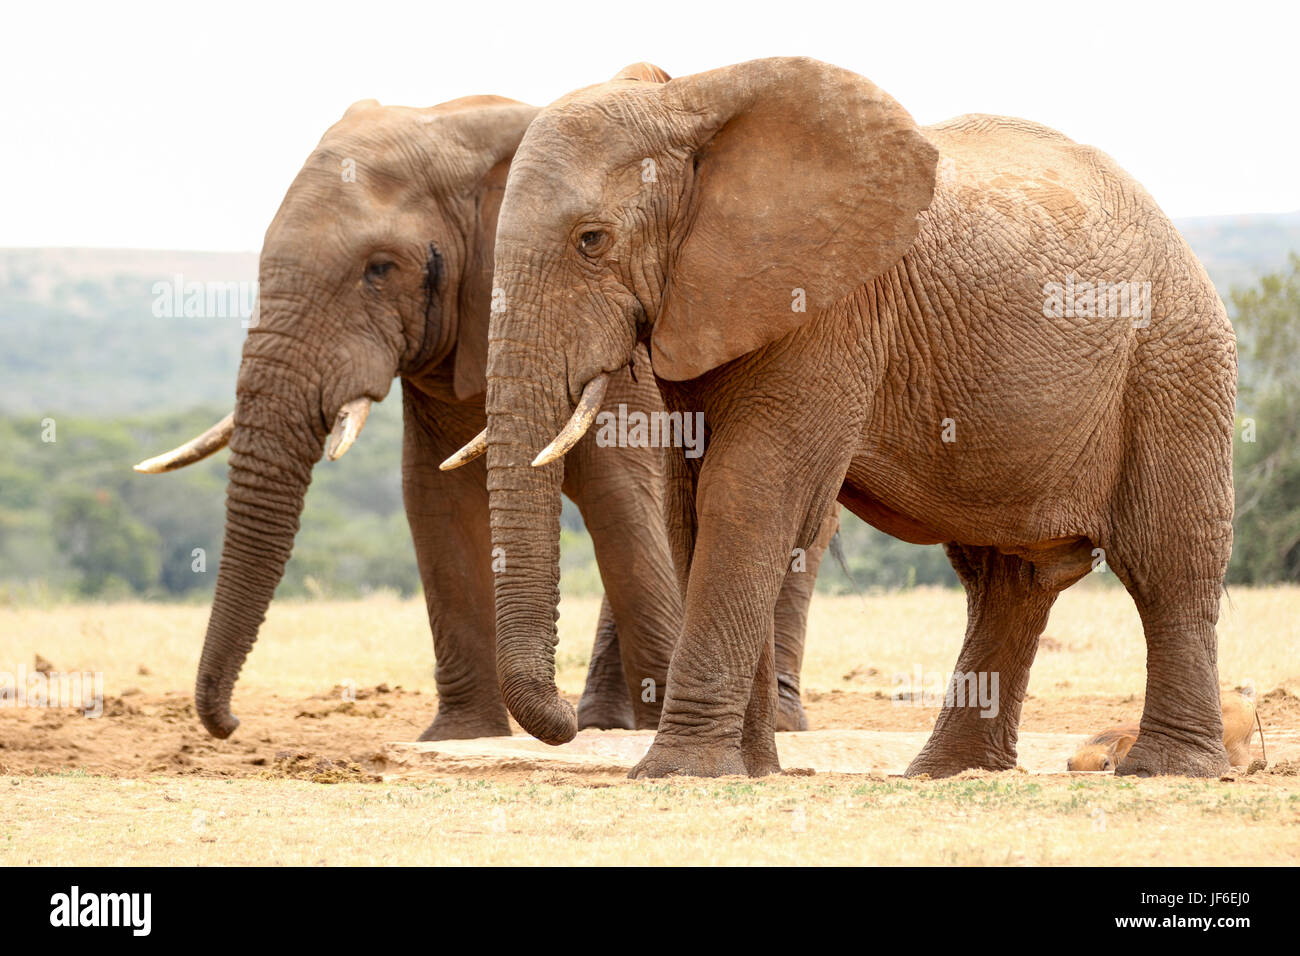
(598, 127)
(545, 192)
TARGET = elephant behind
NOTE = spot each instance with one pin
(377, 265)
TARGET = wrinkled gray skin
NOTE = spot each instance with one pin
(378, 264)
(929, 385)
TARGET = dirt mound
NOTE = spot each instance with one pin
(304, 765)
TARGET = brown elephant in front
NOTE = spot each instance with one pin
(866, 310)
(379, 264)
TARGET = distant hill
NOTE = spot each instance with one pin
(1237, 250)
(78, 333)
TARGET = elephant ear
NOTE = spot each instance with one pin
(478, 136)
(642, 72)
(808, 183)
(475, 305)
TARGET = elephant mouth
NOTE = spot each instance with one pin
(593, 396)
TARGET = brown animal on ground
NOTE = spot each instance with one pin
(1108, 749)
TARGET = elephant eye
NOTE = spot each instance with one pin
(377, 269)
(592, 242)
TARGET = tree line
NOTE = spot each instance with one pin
(76, 521)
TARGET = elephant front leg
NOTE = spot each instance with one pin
(448, 516)
(719, 713)
(1006, 614)
(605, 703)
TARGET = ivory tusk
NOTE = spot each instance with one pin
(476, 447)
(196, 449)
(593, 396)
(347, 426)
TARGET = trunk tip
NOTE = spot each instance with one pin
(220, 726)
(215, 715)
(548, 717)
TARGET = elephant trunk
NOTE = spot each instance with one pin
(270, 468)
(527, 405)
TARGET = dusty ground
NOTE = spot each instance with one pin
(144, 784)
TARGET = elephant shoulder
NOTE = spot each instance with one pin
(1007, 163)
(1009, 145)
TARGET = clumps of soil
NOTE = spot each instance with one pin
(345, 708)
(1049, 643)
(1281, 705)
(344, 702)
(177, 709)
(860, 672)
(316, 713)
(117, 707)
(342, 692)
(305, 765)
(43, 666)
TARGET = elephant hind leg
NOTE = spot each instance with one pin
(605, 704)
(1173, 567)
(1007, 606)
(792, 622)
(1182, 724)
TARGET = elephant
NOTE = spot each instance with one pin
(378, 264)
(884, 315)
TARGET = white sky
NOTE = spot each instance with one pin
(179, 126)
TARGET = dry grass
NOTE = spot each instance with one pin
(856, 645)
(992, 819)
(1096, 631)
(309, 644)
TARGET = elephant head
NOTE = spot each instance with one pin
(628, 208)
(378, 263)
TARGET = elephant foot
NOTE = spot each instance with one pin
(606, 712)
(789, 708)
(762, 763)
(1157, 755)
(458, 725)
(688, 758)
(949, 760)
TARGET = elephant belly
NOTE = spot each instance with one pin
(875, 513)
